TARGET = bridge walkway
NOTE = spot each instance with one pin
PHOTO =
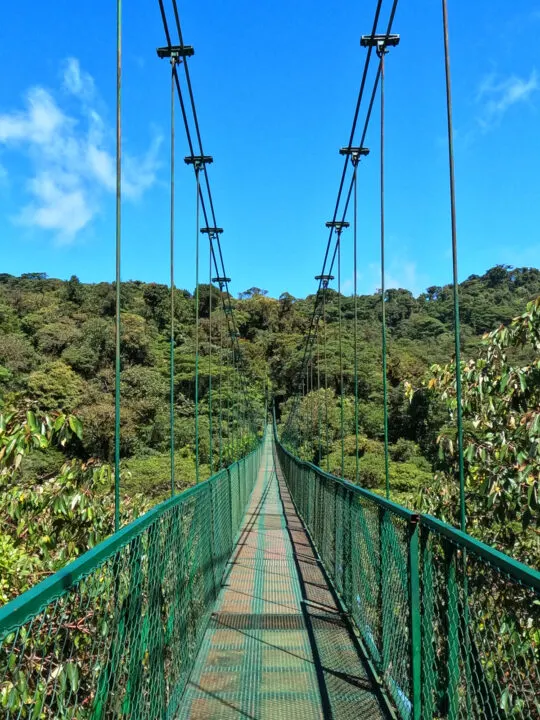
(277, 645)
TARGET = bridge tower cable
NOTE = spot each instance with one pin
(226, 300)
(175, 55)
(315, 318)
(382, 42)
(220, 385)
(388, 38)
(198, 162)
(174, 62)
(339, 226)
(318, 394)
(324, 280)
(118, 262)
(454, 678)
(222, 281)
(325, 268)
(356, 154)
(210, 288)
(457, 329)
(312, 399)
(212, 233)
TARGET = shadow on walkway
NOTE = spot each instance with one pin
(277, 645)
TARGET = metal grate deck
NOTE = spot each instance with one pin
(277, 645)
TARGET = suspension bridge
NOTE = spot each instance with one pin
(273, 588)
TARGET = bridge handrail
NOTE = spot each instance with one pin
(451, 625)
(117, 630)
(516, 569)
(32, 601)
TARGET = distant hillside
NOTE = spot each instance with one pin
(57, 351)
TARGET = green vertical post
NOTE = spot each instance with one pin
(220, 395)
(133, 695)
(428, 615)
(355, 290)
(197, 170)
(172, 338)
(325, 383)
(385, 588)
(319, 397)
(452, 625)
(457, 343)
(383, 291)
(210, 360)
(342, 417)
(415, 628)
(156, 658)
(118, 260)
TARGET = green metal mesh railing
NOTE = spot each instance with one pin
(116, 632)
(451, 626)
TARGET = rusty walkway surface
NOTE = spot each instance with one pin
(277, 645)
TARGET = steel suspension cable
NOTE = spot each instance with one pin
(118, 261)
(197, 171)
(340, 331)
(220, 376)
(319, 396)
(210, 357)
(457, 329)
(325, 381)
(205, 172)
(314, 318)
(226, 301)
(457, 345)
(312, 399)
(229, 410)
(172, 335)
(355, 331)
(366, 123)
(383, 290)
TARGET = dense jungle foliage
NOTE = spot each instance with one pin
(57, 401)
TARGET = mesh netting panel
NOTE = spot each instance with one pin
(481, 636)
(115, 633)
(452, 627)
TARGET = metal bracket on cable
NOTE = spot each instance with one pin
(338, 225)
(212, 232)
(324, 279)
(175, 52)
(198, 161)
(221, 280)
(380, 42)
(355, 152)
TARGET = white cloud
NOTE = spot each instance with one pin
(72, 157)
(496, 95)
(60, 205)
(399, 273)
(39, 124)
(77, 81)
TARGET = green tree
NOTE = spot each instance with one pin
(501, 411)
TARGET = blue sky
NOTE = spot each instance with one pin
(275, 85)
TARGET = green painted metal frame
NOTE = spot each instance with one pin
(448, 638)
(115, 633)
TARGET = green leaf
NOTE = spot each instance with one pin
(59, 422)
(73, 675)
(76, 426)
(505, 700)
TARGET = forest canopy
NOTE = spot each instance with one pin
(57, 360)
